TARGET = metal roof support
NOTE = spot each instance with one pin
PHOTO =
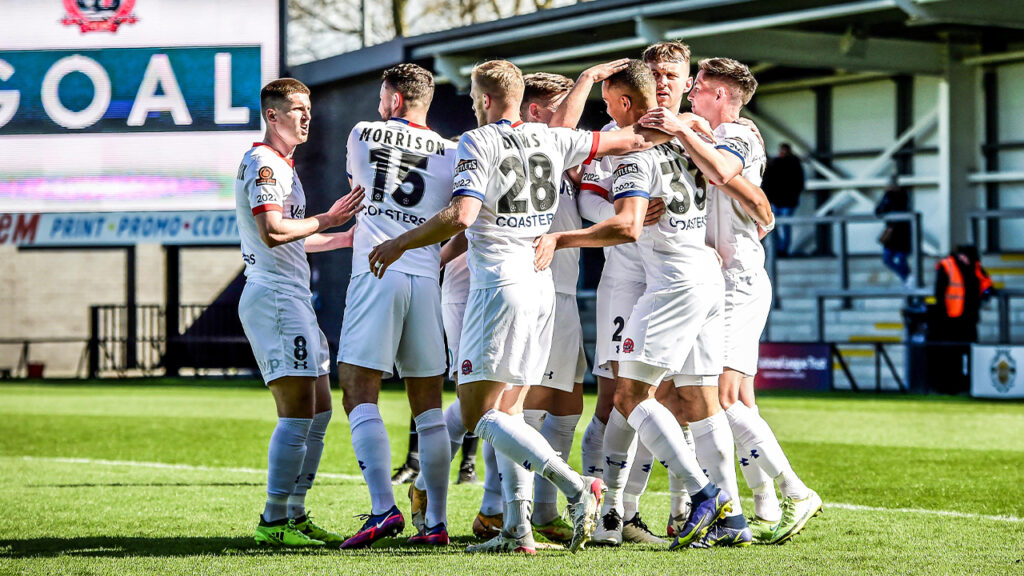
(455, 70)
(958, 148)
(784, 19)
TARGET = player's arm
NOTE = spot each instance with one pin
(276, 230)
(455, 218)
(569, 112)
(752, 199)
(626, 140)
(327, 241)
(693, 132)
(623, 227)
(454, 248)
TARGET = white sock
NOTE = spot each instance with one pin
(493, 502)
(453, 422)
(688, 436)
(516, 487)
(456, 432)
(517, 518)
(714, 444)
(310, 463)
(591, 451)
(660, 432)
(435, 461)
(373, 451)
(559, 432)
(512, 437)
(679, 502)
(284, 460)
(760, 445)
(619, 452)
(636, 484)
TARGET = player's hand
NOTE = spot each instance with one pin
(743, 121)
(761, 232)
(345, 237)
(601, 72)
(384, 255)
(544, 251)
(346, 207)
(698, 124)
(655, 208)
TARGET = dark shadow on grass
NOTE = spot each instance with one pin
(148, 484)
(127, 546)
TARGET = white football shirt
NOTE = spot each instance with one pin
(565, 265)
(267, 181)
(730, 230)
(515, 170)
(674, 252)
(406, 170)
(622, 261)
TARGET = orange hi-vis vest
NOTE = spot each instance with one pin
(954, 297)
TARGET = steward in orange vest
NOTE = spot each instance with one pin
(961, 285)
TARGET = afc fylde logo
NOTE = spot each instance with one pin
(98, 15)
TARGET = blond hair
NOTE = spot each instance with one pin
(732, 73)
(500, 79)
(667, 51)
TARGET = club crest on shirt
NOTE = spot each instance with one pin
(98, 15)
(627, 346)
(266, 176)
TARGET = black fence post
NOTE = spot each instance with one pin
(94, 341)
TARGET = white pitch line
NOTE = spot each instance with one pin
(860, 508)
(840, 505)
(166, 466)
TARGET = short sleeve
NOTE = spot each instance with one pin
(577, 146)
(597, 178)
(735, 139)
(630, 177)
(472, 169)
(264, 186)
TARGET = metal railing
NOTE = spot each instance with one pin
(21, 369)
(116, 346)
(881, 353)
(1003, 297)
(975, 217)
(840, 223)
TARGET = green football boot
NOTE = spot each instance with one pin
(761, 529)
(558, 530)
(795, 514)
(283, 533)
(306, 526)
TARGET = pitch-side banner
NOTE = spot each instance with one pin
(85, 229)
(794, 366)
(996, 371)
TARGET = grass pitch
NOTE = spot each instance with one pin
(168, 478)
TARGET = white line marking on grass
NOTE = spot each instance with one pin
(166, 466)
(860, 508)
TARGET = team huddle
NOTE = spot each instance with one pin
(474, 247)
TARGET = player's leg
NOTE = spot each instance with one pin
(435, 456)
(679, 500)
(409, 469)
(467, 466)
(420, 359)
(360, 390)
(659, 334)
(311, 462)
(591, 455)
(555, 414)
(748, 301)
(285, 341)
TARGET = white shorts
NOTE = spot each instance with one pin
(506, 335)
(615, 300)
(283, 333)
(567, 363)
(748, 300)
(678, 330)
(452, 314)
(393, 321)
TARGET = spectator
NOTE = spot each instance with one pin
(895, 238)
(783, 183)
(961, 285)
